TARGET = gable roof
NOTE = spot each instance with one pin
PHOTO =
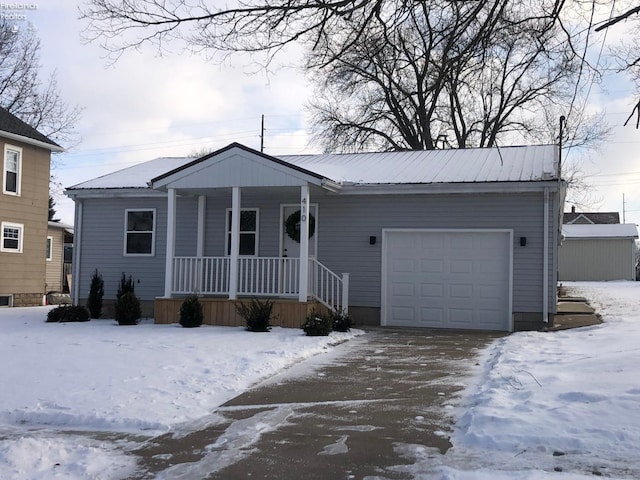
(602, 230)
(14, 128)
(475, 165)
(590, 218)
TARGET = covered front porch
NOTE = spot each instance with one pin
(294, 277)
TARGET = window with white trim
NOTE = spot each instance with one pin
(140, 228)
(49, 249)
(12, 172)
(12, 234)
(249, 222)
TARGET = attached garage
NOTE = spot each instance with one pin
(447, 279)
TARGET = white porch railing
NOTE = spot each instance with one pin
(328, 288)
(276, 276)
(260, 276)
(204, 275)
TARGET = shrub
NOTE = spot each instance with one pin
(257, 314)
(317, 325)
(96, 292)
(191, 314)
(68, 313)
(127, 309)
(341, 321)
(126, 286)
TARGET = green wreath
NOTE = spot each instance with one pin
(292, 226)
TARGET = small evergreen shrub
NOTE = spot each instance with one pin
(191, 314)
(317, 325)
(96, 293)
(68, 313)
(256, 314)
(127, 309)
(126, 286)
(341, 321)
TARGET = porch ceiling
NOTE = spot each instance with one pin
(236, 166)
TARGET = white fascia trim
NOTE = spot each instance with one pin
(113, 193)
(448, 188)
(31, 141)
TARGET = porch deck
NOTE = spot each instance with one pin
(222, 312)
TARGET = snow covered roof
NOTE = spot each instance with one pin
(602, 230)
(136, 176)
(473, 165)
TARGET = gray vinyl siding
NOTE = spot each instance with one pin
(344, 224)
(596, 259)
(102, 247)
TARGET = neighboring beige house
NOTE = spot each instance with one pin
(24, 207)
(597, 252)
(58, 235)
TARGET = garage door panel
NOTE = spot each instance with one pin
(431, 290)
(403, 289)
(461, 292)
(432, 317)
(460, 266)
(403, 265)
(432, 266)
(460, 279)
(402, 315)
(461, 317)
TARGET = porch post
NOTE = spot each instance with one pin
(304, 244)
(235, 243)
(202, 205)
(171, 241)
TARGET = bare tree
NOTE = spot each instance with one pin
(452, 73)
(24, 93)
(247, 25)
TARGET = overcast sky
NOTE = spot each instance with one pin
(144, 107)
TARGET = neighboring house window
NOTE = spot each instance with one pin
(248, 231)
(140, 228)
(12, 170)
(49, 249)
(12, 234)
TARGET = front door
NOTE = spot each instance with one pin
(290, 231)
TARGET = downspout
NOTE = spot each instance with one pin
(77, 242)
(545, 259)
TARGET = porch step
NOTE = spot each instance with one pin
(574, 307)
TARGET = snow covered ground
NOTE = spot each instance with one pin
(552, 405)
(144, 379)
(542, 405)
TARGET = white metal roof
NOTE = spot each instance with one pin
(506, 164)
(600, 230)
(473, 165)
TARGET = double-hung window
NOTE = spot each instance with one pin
(140, 227)
(12, 234)
(12, 172)
(249, 222)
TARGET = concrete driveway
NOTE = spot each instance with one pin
(344, 415)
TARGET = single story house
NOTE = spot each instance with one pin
(443, 239)
(598, 252)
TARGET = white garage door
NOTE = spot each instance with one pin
(447, 279)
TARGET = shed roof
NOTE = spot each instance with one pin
(474, 165)
(601, 230)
